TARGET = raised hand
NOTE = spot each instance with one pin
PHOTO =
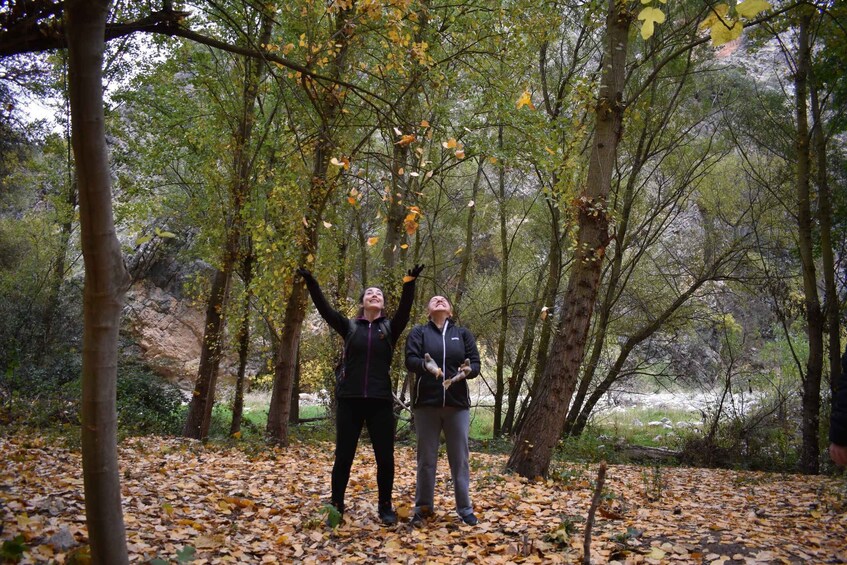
(305, 273)
(413, 273)
(431, 366)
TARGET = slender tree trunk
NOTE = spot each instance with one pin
(533, 448)
(106, 280)
(551, 291)
(831, 301)
(504, 293)
(203, 399)
(467, 255)
(243, 346)
(814, 318)
(522, 357)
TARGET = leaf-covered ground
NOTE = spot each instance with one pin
(184, 500)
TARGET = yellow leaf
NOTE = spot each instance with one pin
(237, 435)
(450, 143)
(351, 200)
(550, 151)
(752, 8)
(722, 34)
(651, 17)
(525, 100)
(656, 553)
(424, 124)
(372, 241)
(718, 13)
(404, 246)
(408, 278)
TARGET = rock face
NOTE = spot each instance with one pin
(168, 331)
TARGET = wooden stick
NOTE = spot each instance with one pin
(589, 522)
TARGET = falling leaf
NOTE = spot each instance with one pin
(460, 153)
(525, 100)
(651, 16)
(544, 311)
(414, 174)
(400, 171)
(406, 140)
(471, 204)
(751, 8)
(450, 143)
(327, 224)
(351, 200)
(404, 246)
(424, 123)
(336, 162)
(398, 131)
(372, 241)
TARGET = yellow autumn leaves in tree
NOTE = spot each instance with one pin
(724, 23)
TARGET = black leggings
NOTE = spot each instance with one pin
(351, 415)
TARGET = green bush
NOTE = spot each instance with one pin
(146, 403)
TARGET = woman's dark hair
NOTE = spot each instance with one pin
(361, 311)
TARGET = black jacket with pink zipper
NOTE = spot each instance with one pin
(448, 348)
(367, 356)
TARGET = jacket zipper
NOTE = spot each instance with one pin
(444, 363)
(367, 361)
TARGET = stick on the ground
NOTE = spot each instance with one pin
(589, 522)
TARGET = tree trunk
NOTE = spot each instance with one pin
(551, 291)
(831, 300)
(327, 105)
(499, 385)
(203, 399)
(522, 357)
(243, 346)
(814, 318)
(467, 255)
(533, 448)
(106, 280)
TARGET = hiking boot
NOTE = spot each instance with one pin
(386, 514)
(470, 519)
(418, 519)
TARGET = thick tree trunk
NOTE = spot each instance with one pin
(106, 280)
(203, 399)
(545, 419)
(814, 318)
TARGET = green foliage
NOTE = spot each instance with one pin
(146, 404)
(12, 550)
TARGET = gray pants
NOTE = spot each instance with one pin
(429, 421)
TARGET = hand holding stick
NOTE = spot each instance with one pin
(431, 366)
(464, 371)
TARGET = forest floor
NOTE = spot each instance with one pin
(186, 502)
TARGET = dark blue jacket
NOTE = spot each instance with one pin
(367, 357)
(448, 348)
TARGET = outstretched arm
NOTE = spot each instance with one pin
(401, 317)
(333, 317)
